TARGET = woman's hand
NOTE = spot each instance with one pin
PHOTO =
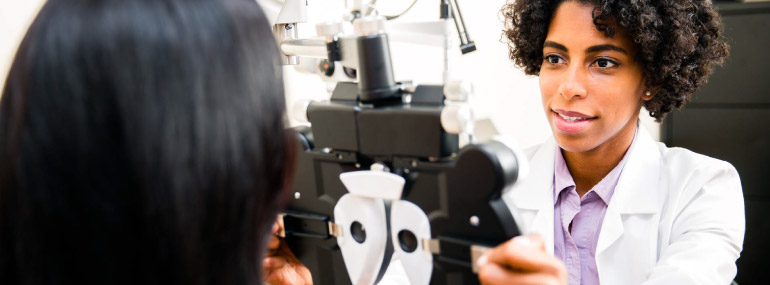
(281, 266)
(521, 260)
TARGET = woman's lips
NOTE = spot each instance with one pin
(571, 122)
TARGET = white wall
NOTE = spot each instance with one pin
(15, 17)
(503, 93)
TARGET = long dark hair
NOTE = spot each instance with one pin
(141, 141)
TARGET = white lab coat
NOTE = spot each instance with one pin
(676, 217)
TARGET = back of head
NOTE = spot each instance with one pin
(141, 141)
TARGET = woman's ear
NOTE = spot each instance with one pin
(650, 93)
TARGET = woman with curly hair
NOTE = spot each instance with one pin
(606, 203)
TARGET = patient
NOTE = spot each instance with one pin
(142, 142)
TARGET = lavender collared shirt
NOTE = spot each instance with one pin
(577, 248)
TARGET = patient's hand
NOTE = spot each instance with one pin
(521, 260)
(281, 266)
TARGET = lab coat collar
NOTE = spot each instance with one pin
(635, 193)
(535, 192)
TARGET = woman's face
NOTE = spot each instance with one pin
(591, 86)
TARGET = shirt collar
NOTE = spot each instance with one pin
(563, 180)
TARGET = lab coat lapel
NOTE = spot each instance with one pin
(636, 193)
(612, 229)
(533, 196)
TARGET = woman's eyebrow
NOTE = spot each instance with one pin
(598, 48)
(555, 45)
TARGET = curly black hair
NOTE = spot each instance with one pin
(679, 41)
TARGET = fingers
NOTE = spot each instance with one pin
(281, 266)
(277, 247)
(537, 240)
(273, 244)
(493, 274)
(278, 270)
(277, 229)
(288, 277)
(521, 260)
(525, 253)
(281, 277)
(273, 263)
(286, 252)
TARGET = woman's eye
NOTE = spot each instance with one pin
(605, 63)
(552, 59)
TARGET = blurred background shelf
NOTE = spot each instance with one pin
(729, 118)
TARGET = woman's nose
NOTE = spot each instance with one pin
(572, 85)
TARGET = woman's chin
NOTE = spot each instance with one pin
(573, 143)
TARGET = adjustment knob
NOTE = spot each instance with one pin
(457, 118)
(369, 25)
(458, 90)
(329, 30)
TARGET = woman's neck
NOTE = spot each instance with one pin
(590, 167)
